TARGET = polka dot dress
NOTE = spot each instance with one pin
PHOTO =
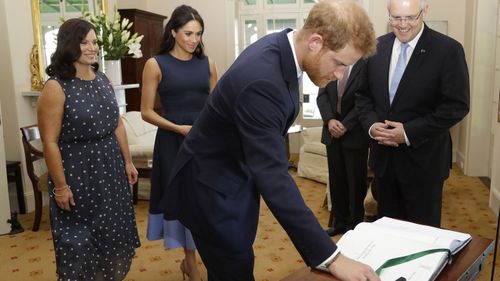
(96, 240)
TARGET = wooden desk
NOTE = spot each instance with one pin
(466, 265)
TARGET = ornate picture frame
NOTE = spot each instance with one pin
(37, 63)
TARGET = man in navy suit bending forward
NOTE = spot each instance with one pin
(235, 152)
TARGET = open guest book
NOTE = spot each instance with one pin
(396, 248)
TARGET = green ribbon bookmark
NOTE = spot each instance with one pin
(407, 258)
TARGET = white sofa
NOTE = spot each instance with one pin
(312, 159)
(313, 165)
(141, 138)
(312, 156)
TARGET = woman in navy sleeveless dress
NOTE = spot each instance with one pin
(183, 77)
(90, 168)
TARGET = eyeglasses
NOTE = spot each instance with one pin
(409, 19)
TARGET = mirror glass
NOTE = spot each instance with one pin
(47, 15)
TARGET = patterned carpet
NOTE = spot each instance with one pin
(29, 255)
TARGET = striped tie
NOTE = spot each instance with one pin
(341, 84)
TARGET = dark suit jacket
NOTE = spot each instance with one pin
(235, 153)
(355, 137)
(433, 95)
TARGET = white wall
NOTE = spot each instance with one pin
(482, 73)
(468, 46)
(16, 26)
(14, 77)
(495, 128)
(133, 4)
(4, 187)
(438, 10)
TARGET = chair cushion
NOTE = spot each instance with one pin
(312, 166)
(315, 148)
(138, 130)
(141, 151)
(312, 156)
(141, 154)
(141, 138)
(311, 134)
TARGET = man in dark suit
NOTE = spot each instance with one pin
(235, 152)
(409, 120)
(346, 150)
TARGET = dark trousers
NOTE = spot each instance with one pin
(416, 201)
(224, 264)
(347, 170)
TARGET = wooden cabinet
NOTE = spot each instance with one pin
(151, 26)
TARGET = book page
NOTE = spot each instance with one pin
(435, 241)
(374, 246)
(457, 240)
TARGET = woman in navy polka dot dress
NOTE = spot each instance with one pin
(90, 168)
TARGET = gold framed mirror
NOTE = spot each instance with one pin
(37, 55)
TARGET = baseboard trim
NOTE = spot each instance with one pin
(494, 200)
(460, 160)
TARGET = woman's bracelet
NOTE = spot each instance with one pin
(60, 188)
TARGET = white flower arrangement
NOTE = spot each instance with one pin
(114, 36)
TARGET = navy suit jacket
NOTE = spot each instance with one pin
(235, 154)
(355, 137)
(432, 96)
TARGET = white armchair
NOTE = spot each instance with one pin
(141, 138)
(312, 156)
(313, 163)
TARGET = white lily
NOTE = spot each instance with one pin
(137, 54)
(114, 36)
(124, 23)
(125, 35)
(139, 39)
(134, 49)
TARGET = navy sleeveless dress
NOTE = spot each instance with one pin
(183, 90)
(96, 240)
